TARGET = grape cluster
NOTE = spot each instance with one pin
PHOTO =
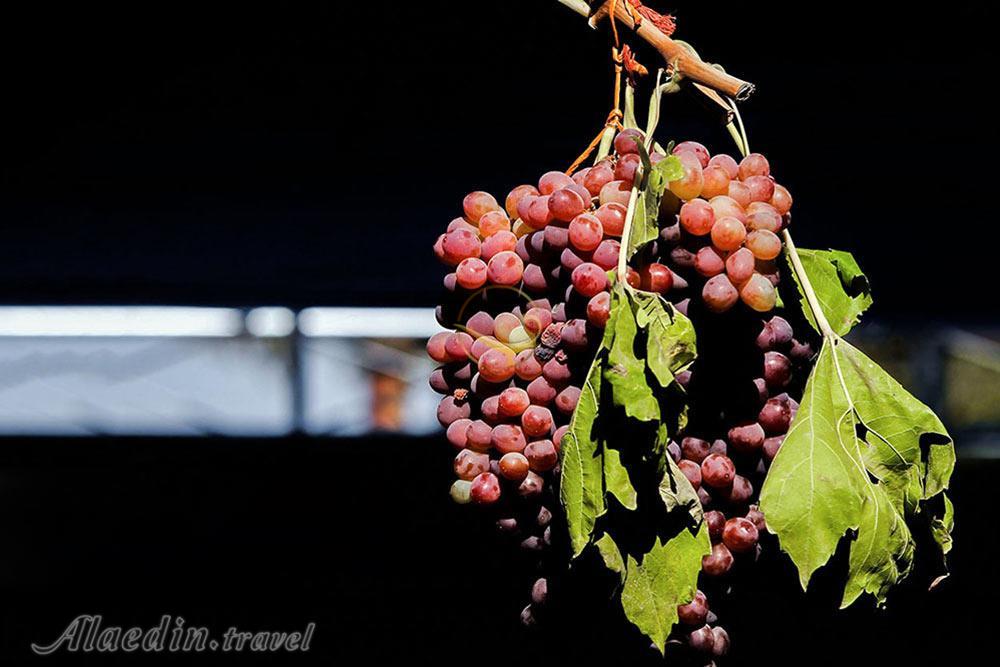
(525, 305)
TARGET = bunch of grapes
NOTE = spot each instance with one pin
(525, 305)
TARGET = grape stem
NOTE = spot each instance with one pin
(681, 59)
(807, 288)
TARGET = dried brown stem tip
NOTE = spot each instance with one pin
(676, 55)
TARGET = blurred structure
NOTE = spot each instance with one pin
(340, 372)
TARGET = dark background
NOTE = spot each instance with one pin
(167, 154)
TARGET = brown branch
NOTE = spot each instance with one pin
(676, 55)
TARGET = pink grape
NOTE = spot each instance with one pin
(739, 266)
(566, 400)
(702, 639)
(718, 562)
(493, 222)
(537, 319)
(485, 489)
(777, 370)
(740, 192)
(764, 220)
(508, 438)
(716, 522)
(615, 191)
(771, 446)
(626, 168)
(606, 254)
(695, 449)
(514, 401)
(689, 186)
(479, 436)
(537, 421)
(719, 294)
(457, 433)
(725, 206)
(727, 163)
(692, 471)
(716, 182)
(558, 435)
(436, 349)
(469, 464)
(728, 234)
(754, 164)
(761, 188)
(501, 241)
(478, 203)
(697, 217)
(708, 262)
(542, 455)
(462, 223)
(781, 199)
(759, 293)
(589, 279)
(505, 268)
(497, 365)
(566, 204)
(717, 471)
(484, 343)
(515, 196)
(625, 142)
(698, 150)
(451, 409)
(599, 176)
(526, 366)
(612, 217)
(480, 324)
(764, 244)
(656, 278)
(459, 244)
(599, 309)
(739, 535)
(471, 273)
(746, 437)
(489, 409)
(514, 466)
(541, 391)
(585, 232)
(458, 345)
(552, 181)
(538, 214)
(695, 611)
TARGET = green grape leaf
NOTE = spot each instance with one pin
(860, 456)
(646, 205)
(660, 580)
(616, 478)
(943, 525)
(626, 372)
(611, 555)
(841, 288)
(670, 168)
(677, 493)
(670, 339)
(581, 488)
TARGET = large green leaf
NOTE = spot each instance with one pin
(660, 580)
(581, 484)
(840, 286)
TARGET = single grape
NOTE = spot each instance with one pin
(758, 293)
(697, 217)
(781, 199)
(480, 324)
(719, 294)
(761, 188)
(708, 262)
(626, 168)
(776, 415)
(537, 214)
(497, 364)
(674, 450)
(542, 455)
(589, 279)
(606, 254)
(566, 400)
(692, 471)
(599, 175)
(702, 639)
(689, 186)
(513, 466)
(501, 241)
(716, 182)
(717, 471)
(457, 433)
(727, 163)
(739, 535)
(536, 421)
(471, 273)
(728, 234)
(764, 244)
(746, 438)
(617, 192)
(451, 409)
(777, 370)
(479, 436)
(459, 244)
(633, 278)
(461, 491)
(566, 204)
(698, 150)
(718, 562)
(493, 222)
(656, 277)
(436, 349)
(458, 345)
(727, 207)
(536, 319)
(612, 217)
(695, 611)
(671, 234)
(505, 268)
(439, 381)
(462, 223)
(469, 464)
(515, 196)
(557, 371)
(599, 309)
(762, 220)
(541, 391)
(754, 164)
(585, 232)
(694, 449)
(740, 193)
(756, 517)
(531, 486)
(715, 521)
(490, 411)
(771, 447)
(558, 436)
(485, 489)
(513, 402)
(775, 334)
(801, 352)
(535, 278)
(508, 438)
(552, 181)
(478, 203)
(484, 343)
(626, 141)
(739, 266)
(740, 492)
